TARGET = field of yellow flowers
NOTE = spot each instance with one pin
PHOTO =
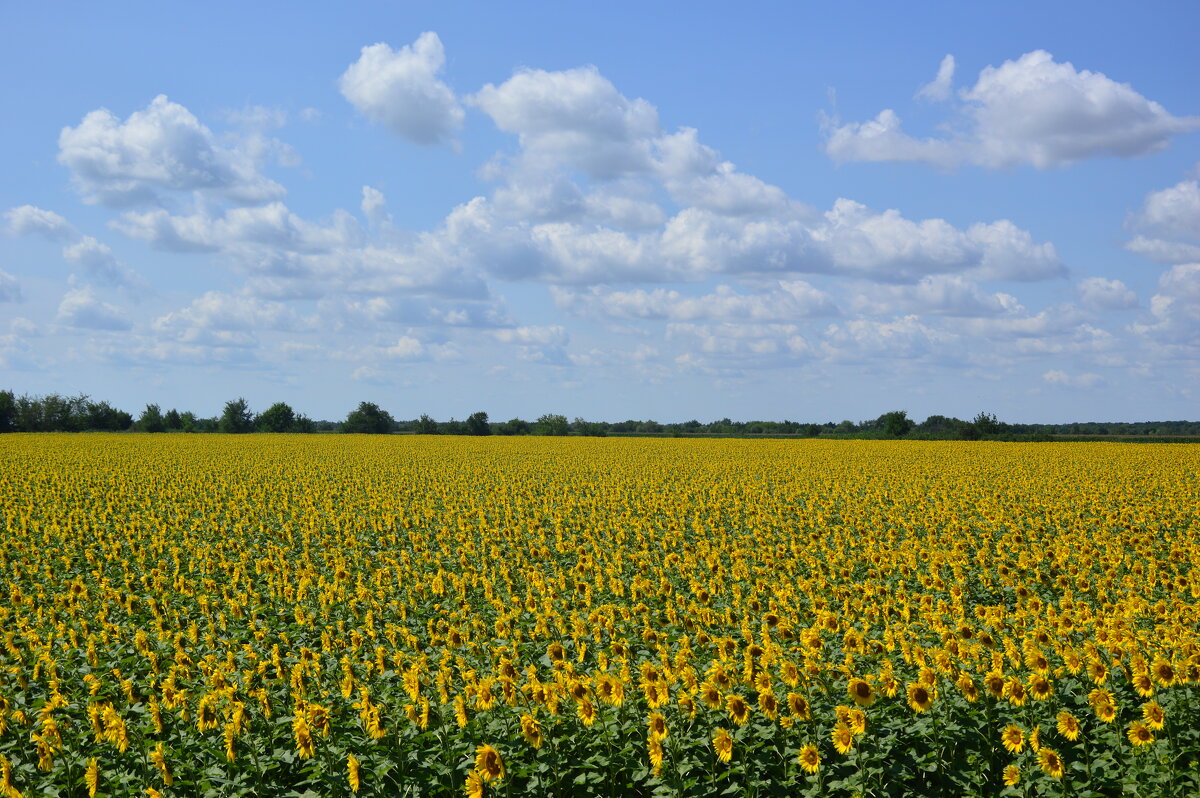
(334, 615)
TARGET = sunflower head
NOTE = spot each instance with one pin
(1051, 762)
(488, 763)
(809, 758)
(723, 745)
(861, 692)
(920, 698)
(1139, 734)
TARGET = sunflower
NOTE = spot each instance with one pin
(1106, 712)
(857, 721)
(966, 686)
(710, 695)
(1153, 715)
(474, 785)
(809, 758)
(657, 725)
(919, 697)
(723, 745)
(1035, 738)
(861, 692)
(739, 710)
(488, 763)
(768, 703)
(1015, 692)
(688, 705)
(789, 673)
(1097, 671)
(92, 777)
(1164, 673)
(1040, 687)
(1143, 684)
(1139, 734)
(611, 690)
(843, 738)
(586, 711)
(1013, 739)
(531, 730)
(888, 685)
(1012, 775)
(994, 682)
(655, 750)
(798, 706)
(352, 773)
(1068, 725)
(1051, 762)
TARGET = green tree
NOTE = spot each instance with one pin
(551, 424)
(279, 417)
(896, 423)
(514, 426)
(173, 420)
(8, 411)
(426, 425)
(304, 424)
(368, 418)
(151, 420)
(477, 424)
(236, 417)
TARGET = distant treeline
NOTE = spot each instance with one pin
(55, 413)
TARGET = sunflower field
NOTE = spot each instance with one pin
(281, 615)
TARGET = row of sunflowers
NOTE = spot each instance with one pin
(338, 615)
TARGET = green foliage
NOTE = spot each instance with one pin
(236, 417)
(514, 426)
(477, 424)
(551, 424)
(279, 417)
(368, 418)
(426, 425)
(151, 420)
(896, 424)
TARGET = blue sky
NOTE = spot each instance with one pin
(670, 211)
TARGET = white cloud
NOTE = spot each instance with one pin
(1100, 293)
(401, 90)
(938, 89)
(215, 311)
(1173, 212)
(904, 338)
(10, 289)
(939, 294)
(406, 348)
(374, 207)
(792, 299)
(574, 118)
(1175, 307)
(161, 148)
(28, 220)
(81, 308)
(1033, 110)
(1085, 380)
(552, 335)
(270, 226)
(97, 258)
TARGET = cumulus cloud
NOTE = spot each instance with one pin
(401, 90)
(216, 311)
(1085, 380)
(1099, 293)
(938, 89)
(161, 148)
(29, 220)
(939, 295)
(1175, 307)
(574, 118)
(1034, 111)
(272, 226)
(96, 258)
(792, 299)
(10, 289)
(80, 307)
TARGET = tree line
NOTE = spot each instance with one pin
(56, 413)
